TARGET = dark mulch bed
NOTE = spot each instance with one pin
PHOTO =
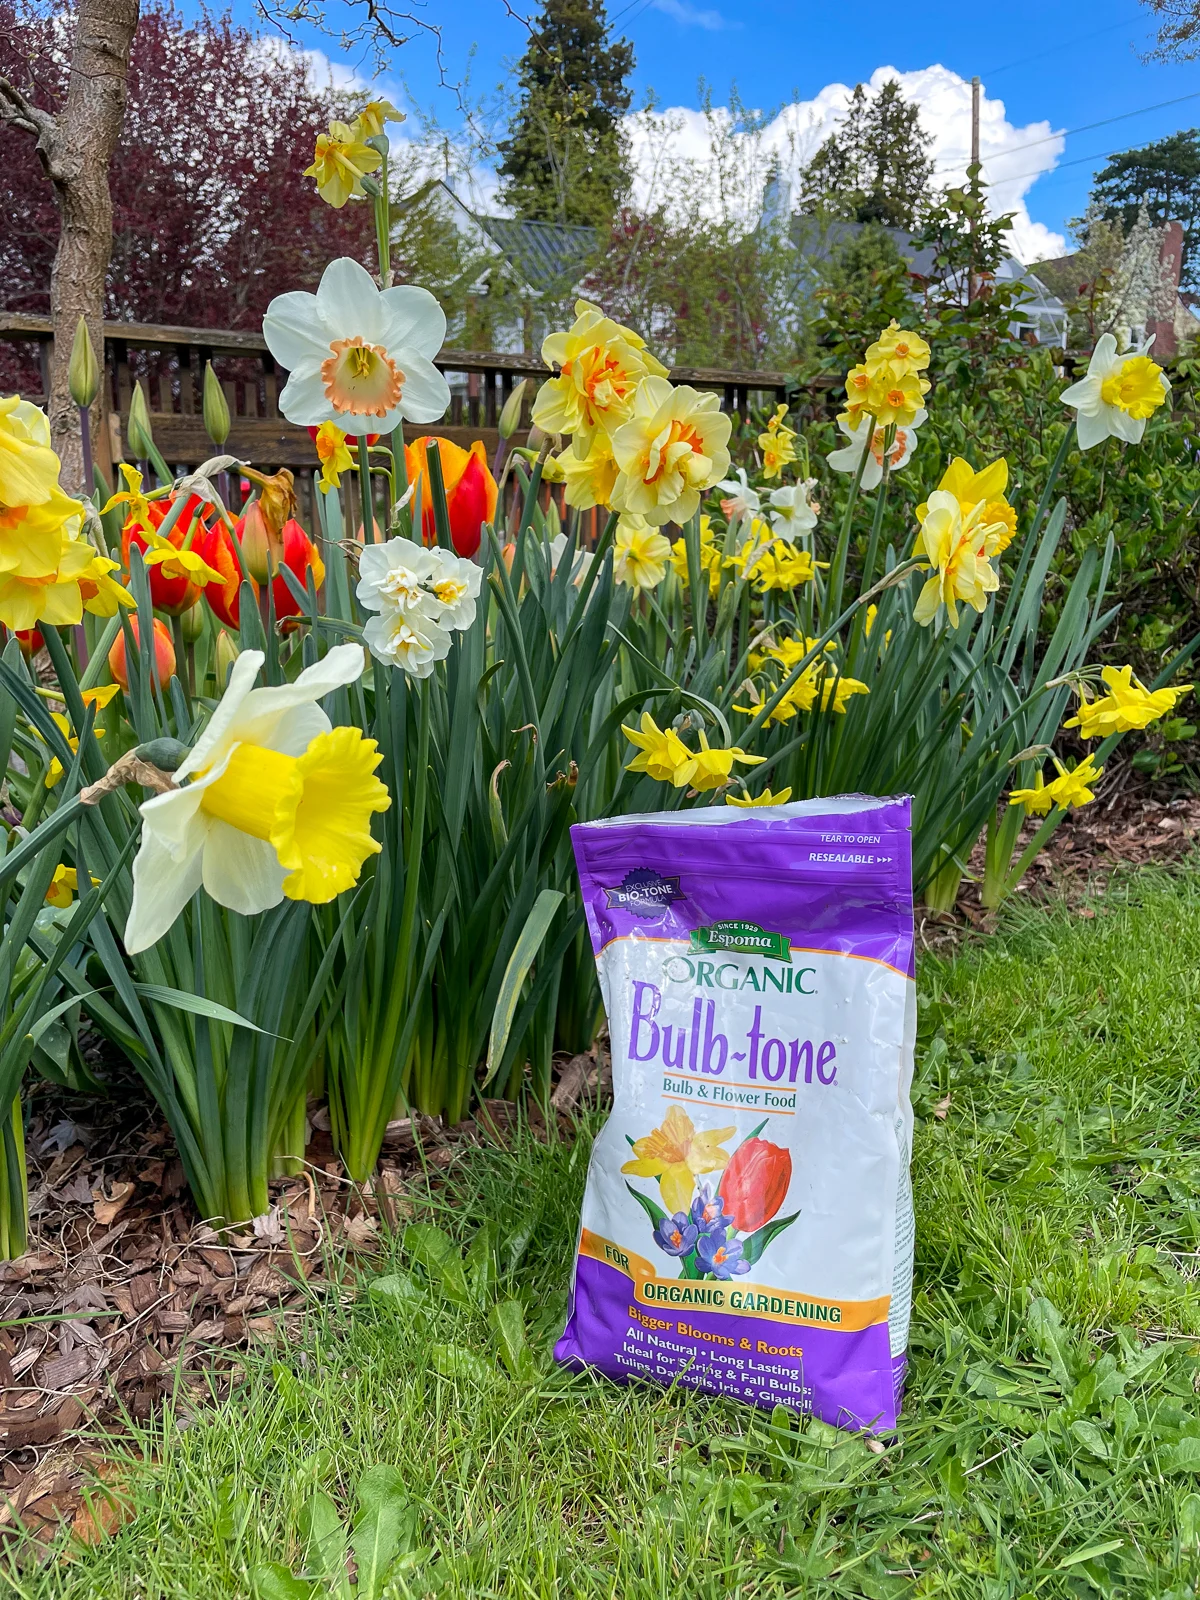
(126, 1300)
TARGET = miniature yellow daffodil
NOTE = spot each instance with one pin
(56, 769)
(179, 563)
(766, 798)
(333, 454)
(640, 553)
(1074, 788)
(898, 347)
(340, 162)
(713, 767)
(1038, 800)
(711, 558)
(663, 752)
(1127, 705)
(676, 1154)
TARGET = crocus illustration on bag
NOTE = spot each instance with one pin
(747, 1226)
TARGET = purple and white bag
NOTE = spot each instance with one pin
(748, 1224)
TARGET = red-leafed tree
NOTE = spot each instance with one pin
(212, 215)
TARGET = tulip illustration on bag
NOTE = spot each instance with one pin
(714, 1231)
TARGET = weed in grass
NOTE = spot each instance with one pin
(1051, 1439)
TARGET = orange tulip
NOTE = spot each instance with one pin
(755, 1182)
(164, 653)
(224, 599)
(471, 491)
(299, 554)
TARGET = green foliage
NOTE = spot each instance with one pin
(875, 166)
(565, 158)
(1163, 177)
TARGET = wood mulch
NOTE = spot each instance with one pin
(126, 1301)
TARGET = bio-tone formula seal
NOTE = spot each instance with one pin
(748, 1226)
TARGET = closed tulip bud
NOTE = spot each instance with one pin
(510, 415)
(754, 1184)
(164, 653)
(255, 542)
(139, 435)
(227, 654)
(216, 407)
(83, 373)
(192, 623)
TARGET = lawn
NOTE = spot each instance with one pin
(1051, 1437)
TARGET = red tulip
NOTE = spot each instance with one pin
(164, 653)
(172, 595)
(754, 1184)
(471, 491)
(224, 599)
(30, 640)
(299, 554)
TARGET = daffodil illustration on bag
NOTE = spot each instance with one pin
(747, 1225)
(717, 1229)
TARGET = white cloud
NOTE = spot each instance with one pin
(688, 15)
(1013, 157)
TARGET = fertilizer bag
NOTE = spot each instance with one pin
(747, 1226)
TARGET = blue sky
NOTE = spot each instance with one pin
(1046, 68)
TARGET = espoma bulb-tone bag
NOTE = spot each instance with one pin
(748, 1226)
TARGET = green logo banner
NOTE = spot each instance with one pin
(744, 938)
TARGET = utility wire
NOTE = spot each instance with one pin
(1086, 127)
(1054, 49)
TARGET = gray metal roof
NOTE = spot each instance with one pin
(548, 255)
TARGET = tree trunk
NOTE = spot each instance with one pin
(75, 148)
(89, 126)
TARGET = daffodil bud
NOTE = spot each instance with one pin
(139, 436)
(83, 373)
(216, 407)
(510, 416)
(370, 186)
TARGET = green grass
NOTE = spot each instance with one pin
(1051, 1439)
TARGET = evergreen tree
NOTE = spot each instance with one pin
(1165, 178)
(566, 157)
(875, 166)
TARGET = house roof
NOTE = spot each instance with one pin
(546, 254)
(818, 238)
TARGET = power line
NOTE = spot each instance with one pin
(1054, 49)
(1086, 127)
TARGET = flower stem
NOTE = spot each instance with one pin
(837, 572)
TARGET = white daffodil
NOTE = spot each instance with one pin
(847, 458)
(1118, 394)
(580, 561)
(792, 512)
(356, 355)
(275, 801)
(422, 595)
(739, 499)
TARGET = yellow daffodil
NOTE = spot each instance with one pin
(711, 558)
(676, 1154)
(29, 468)
(898, 347)
(713, 768)
(782, 566)
(176, 562)
(954, 546)
(64, 887)
(56, 769)
(131, 495)
(640, 553)
(100, 592)
(986, 488)
(1127, 705)
(801, 696)
(663, 752)
(1117, 394)
(1038, 800)
(1074, 788)
(671, 450)
(766, 798)
(333, 454)
(31, 536)
(600, 366)
(340, 162)
(370, 120)
(55, 599)
(590, 478)
(777, 443)
(839, 691)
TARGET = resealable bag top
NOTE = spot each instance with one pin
(747, 1226)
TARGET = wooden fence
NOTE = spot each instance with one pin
(170, 364)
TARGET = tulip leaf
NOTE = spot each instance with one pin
(651, 1207)
(537, 925)
(755, 1243)
(198, 1005)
